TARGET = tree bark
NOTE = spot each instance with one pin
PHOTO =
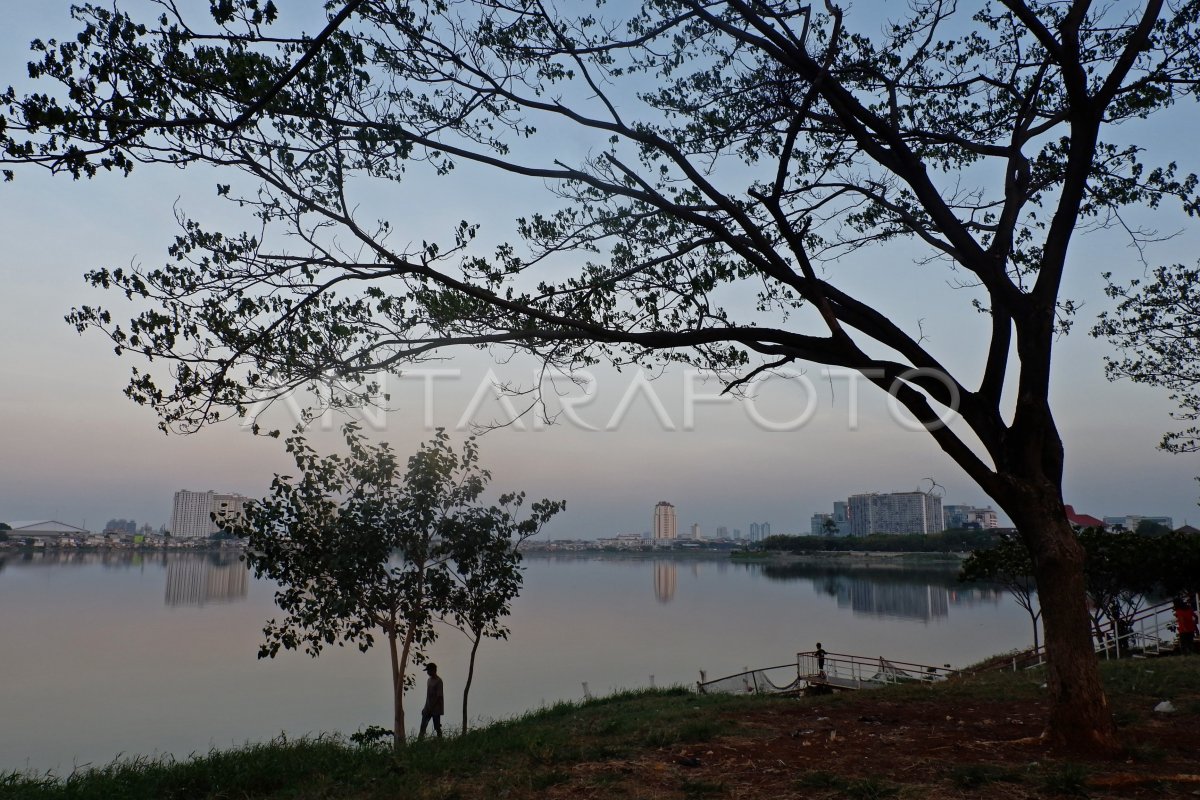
(1080, 718)
(399, 686)
(470, 677)
(399, 667)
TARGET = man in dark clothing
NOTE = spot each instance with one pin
(820, 651)
(435, 705)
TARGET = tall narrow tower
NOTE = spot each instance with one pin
(665, 526)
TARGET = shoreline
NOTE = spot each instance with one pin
(753, 556)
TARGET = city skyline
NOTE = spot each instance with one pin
(187, 503)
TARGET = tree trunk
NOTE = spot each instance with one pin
(399, 667)
(1080, 718)
(470, 677)
(397, 706)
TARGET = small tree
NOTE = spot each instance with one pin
(360, 548)
(1177, 563)
(1008, 564)
(1149, 527)
(1119, 570)
(487, 571)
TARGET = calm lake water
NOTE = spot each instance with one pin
(123, 654)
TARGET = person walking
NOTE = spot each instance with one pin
(1185, 624)
(435, 704)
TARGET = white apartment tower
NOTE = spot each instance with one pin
(665, 526)
(191, 517)
(896, 512)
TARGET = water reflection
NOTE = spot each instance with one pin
(665, 580)
(886, 590)
(580, 617)
(200, 580)
(192, 579)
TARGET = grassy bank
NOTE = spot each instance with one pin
(974, 734)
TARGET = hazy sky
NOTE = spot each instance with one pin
(73, 448)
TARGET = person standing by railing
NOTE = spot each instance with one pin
(1185, 625)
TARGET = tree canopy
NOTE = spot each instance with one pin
(1007, 563)
(361, 547)
(691, 154)
(1156, 326)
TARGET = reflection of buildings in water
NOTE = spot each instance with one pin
(910, 600)
(198, 581)
(665, 578)
(913, 593)
(977, 596)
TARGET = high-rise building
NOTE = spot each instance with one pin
(192, 516)
(722, 532)
(754, 532)
(835, 524)
(695, 530)
(665, 526)
(764, 530)
(962, 516)
(896, 512)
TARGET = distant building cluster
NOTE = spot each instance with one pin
(759, 531)
(970, 517)
(899, 513)
(923, 512)
(197, 515)
(664, 532)
(1133, 522)
(835, 524)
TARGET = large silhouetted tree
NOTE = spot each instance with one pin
(688, 150)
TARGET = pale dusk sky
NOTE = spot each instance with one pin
(73, 448)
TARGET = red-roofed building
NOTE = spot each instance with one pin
(1082, 520)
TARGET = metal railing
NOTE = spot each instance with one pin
(779, 679)
(1149, 632)
(844, 670)
(835, 670)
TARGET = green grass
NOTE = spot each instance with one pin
(521, 756)
(263, 770)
